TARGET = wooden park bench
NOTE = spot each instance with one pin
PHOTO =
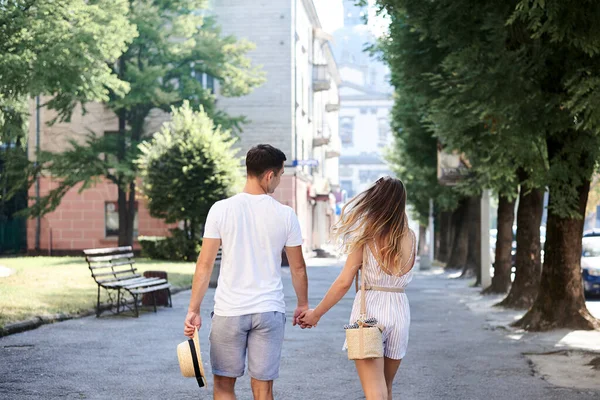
(113, 270)
(214, 277)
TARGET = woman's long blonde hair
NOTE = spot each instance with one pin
(376, 215)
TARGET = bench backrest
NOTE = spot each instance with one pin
(111, 264)
(219, 257)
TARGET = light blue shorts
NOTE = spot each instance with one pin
(260, 336)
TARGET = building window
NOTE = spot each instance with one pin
(347, 131)
(370, 175)
(373, 77)
(346, 185)
(345, 56)
(346, 172)
(374, 110)
(112, 139)
(384, 129)
(207, 81)
(111, 219)
(363, 110)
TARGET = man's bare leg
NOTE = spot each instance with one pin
(224, 388)
(262, 390)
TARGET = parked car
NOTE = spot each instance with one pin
(590, 264)
(513, 251)
(592, 232)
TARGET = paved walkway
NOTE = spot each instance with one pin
(451, 354)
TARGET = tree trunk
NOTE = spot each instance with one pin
(503, 258)
(422, 239)
(131, 211)
(460, 244)
(122, 194)
(528, 259)
(561, 303)
(436, 235)
(473, 264)
(446, 236)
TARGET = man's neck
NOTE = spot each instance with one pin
(253, 187)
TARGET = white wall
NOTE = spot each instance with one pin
(268, 24)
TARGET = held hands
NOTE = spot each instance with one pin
(297, 313)
(192, 320)
(309, 318)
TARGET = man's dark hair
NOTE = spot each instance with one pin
(263, 158)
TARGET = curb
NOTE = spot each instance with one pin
(36, 322)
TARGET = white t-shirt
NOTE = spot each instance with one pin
(253, 230)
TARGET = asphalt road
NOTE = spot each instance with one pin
(452, 354)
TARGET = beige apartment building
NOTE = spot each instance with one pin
(297, 108)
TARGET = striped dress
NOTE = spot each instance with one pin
(391, 309)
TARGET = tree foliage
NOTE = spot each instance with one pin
(414, 154)
(516, 89)
(62, 48)
(178, 49)
(186, 167)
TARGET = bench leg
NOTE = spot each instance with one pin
(154, 299)
(170, 301)
(135, 302)
(98, 304)
(118, 300)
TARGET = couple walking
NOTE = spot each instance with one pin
(248, 319)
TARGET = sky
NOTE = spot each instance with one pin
(331, 14)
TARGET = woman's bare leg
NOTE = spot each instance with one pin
(390, 367)
(372, 378)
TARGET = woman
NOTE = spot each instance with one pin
(375, 221)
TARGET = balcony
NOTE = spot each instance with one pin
(332, 107)
(332, 153)
(321, 78)
(334, 148)
(320, 141)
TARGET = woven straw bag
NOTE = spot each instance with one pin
(366, 341)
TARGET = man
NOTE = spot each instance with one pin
(249, 312)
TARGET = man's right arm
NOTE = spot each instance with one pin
(204, 267)
(211, 241)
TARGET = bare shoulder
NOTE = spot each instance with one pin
(408, 240)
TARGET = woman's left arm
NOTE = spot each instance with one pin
(337, 290)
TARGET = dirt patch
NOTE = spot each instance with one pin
(595, 363)
(567, 368)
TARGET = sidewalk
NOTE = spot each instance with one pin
(454, 353)
(562, 357)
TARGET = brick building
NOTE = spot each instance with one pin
(90, 218)
(296, 110)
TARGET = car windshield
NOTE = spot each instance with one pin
(591, 246)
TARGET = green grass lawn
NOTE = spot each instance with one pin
(49, 285)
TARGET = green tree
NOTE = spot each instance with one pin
(62, 48)
(186, 168)
(176, 49)
(525, 74)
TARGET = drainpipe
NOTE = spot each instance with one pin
(38, 224)
(294, 48)
(294, 111)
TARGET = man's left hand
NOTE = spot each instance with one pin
(297, 313)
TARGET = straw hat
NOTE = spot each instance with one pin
(190, 359)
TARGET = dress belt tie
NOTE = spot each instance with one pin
(384, 289)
